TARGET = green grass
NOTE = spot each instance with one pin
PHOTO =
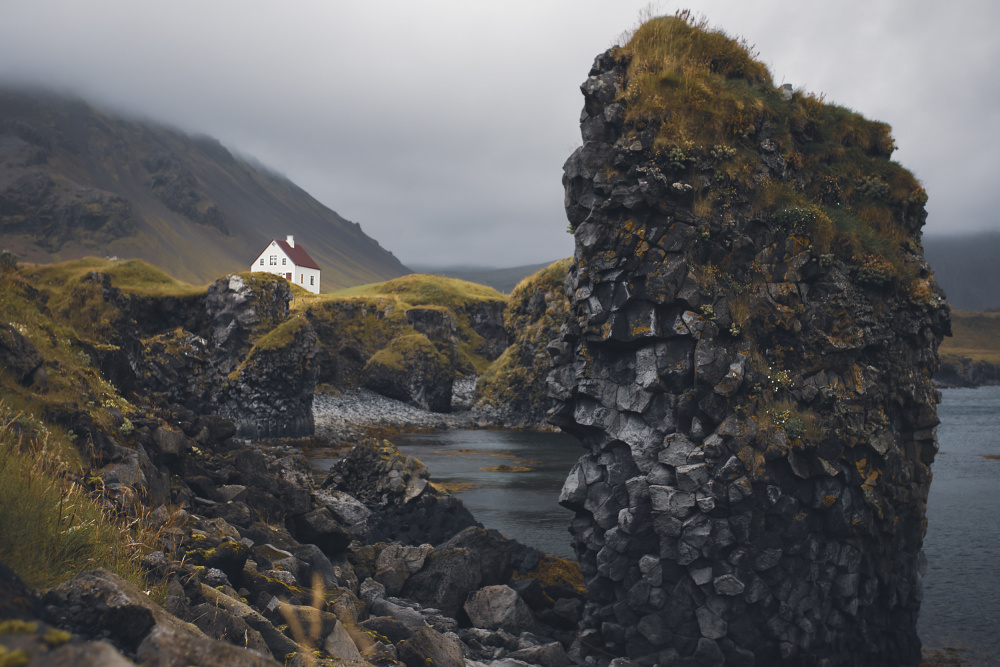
(975, 336)
(707, 96)
(51, 529)
(387, 302)
(403, 349)
(424, 289)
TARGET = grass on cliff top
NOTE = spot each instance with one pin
(403, 348)
(551, 278)
(71, 377)
(392, 298)
(975, 336)
(421, 289)
(51, 529)
(131, 275)
(708, 97)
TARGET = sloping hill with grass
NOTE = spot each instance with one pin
(464, 322)
(78, 181)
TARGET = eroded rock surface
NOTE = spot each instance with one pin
(758, 415)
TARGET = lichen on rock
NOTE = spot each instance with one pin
(748, 363)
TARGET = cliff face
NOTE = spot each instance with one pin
(748, 363)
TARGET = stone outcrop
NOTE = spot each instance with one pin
(757, 410)
(512, 390)
(396, 489)
(251, 362)
(412, 370)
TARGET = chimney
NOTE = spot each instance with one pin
(291, 240)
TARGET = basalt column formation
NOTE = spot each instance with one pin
(748, 363)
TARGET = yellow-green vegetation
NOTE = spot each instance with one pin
(404, 348)
(503, 467)
(75, 299)
(355, 323)
(71, 378)
(707, 96)
(536, 308)
(553, 571)
(51, 528)
(420, 289)
(281, 335)
(975, 336)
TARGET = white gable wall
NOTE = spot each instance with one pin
(274, 260)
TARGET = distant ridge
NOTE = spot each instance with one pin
(77, 181)
(502, 280)
(967, 267)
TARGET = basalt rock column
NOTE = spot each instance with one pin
(748, 363)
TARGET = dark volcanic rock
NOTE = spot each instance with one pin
(411, 369)
(396, 489)
(758, 411)
(254, 365)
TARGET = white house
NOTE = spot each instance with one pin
(290, 261)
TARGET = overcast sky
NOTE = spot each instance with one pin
(442, 126)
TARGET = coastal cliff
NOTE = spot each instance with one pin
(748, 363)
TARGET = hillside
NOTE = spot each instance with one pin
(503, 280)
(77, 181)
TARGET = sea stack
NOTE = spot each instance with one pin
(748, 363)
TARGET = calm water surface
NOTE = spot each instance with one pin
(522, 505)
(961, 606)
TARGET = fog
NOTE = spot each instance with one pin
(441, 127)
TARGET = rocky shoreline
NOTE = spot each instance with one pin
(360, 413)
(262, 567)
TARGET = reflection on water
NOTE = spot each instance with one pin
(509, 480)
(961, 606)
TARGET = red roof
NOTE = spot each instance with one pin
(298, 255)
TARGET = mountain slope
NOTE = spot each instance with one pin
(76, 181)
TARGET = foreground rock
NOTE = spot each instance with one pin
(320, 577)
(758, 410)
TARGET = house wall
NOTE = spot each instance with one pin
(282, 265)
(306, 278)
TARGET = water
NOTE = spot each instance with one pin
(521, 505)
(961, 606)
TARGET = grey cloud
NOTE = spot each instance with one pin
(441, 126)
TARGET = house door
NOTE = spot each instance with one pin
(288, 277)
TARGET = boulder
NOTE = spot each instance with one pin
(427, 646)
(499, 607)
(320, 528)
(128, 617)
(411, 369)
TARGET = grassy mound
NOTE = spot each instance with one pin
(713, 107)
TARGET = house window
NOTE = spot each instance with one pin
(301, 278)
(273, 260)
(312, 280)
(283, 261)
(262, 261)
